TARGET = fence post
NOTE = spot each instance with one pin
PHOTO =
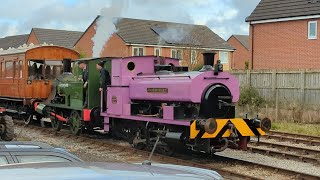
(274, 84)
(302, 86)
(277, 104)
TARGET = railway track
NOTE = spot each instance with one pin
(316, 138)
(228, 174)
(284, 154)
(296, 138)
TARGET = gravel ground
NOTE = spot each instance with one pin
(87, 153)
(82, 150)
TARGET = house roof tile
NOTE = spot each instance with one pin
(13, 41)
(243, 39)
(275, 9)
(137, 31)
(57, 37)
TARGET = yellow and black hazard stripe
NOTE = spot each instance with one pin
(223, 130)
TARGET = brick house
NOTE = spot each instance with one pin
(136, 37)
(285, 35)
(241, 54)
(53, 36)
(13, 41)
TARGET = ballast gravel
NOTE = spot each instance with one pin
(108, 154)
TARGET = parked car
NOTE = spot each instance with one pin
(104, 171)
(33, 152)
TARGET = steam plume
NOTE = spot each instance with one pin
(105, 24)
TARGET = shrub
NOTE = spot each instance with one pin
(246, 65)
(250, 96)
(82, 55)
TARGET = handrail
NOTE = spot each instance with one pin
(159, 77)
(216, 78)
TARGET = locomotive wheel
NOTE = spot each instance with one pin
(56, 124)
(8, 133)
(75, 123)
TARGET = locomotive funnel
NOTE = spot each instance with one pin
(208, 60)
(66, 65)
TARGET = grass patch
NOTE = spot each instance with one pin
(298, 128)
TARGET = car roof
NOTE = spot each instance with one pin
(32, 148)
(6, 145)
(98, 171)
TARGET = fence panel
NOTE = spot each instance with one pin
(286, 86)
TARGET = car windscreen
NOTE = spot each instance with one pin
(3, 160)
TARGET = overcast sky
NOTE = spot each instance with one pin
(225, 17)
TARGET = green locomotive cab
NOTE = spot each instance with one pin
(70, 102)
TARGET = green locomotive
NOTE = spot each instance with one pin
(65, 104)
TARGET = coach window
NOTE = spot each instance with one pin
(2, 70)
(20, 68)
(9, 69)
(16, 69)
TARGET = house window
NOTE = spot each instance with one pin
(176, 53)
(312, 29)
(224, 57)
(157, 51)
(138, 51)
(193, 57)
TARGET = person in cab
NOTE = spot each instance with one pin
(105, 80)
(85, 77)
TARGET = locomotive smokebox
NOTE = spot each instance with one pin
(208, 60)
(66, 65)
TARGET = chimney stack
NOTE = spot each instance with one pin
(208, 60)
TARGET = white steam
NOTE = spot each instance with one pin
(176, 34)
(105, 26)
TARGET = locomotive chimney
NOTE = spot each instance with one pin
(66, 66)
(208, 60)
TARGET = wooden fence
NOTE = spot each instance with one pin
(299, 87)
